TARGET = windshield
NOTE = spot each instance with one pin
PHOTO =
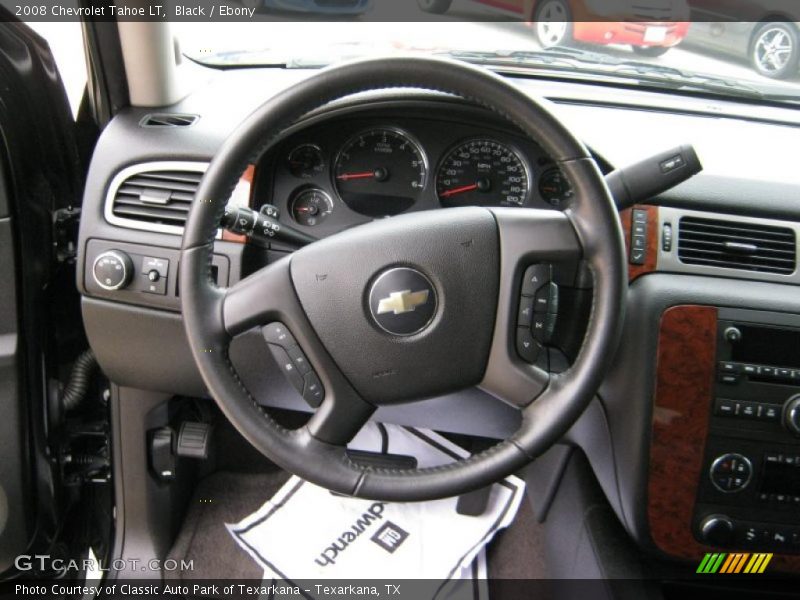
(752, 60)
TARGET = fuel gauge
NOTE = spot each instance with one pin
(311, 206)
(554, 187)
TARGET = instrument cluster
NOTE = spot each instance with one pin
(341, 173)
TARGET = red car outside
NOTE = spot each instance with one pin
(650, 27)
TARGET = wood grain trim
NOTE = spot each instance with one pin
(651, 253)
(683, 395)
(684, 389)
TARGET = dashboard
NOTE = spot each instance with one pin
(656, 428)
(349, 170)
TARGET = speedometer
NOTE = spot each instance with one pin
(482, 172)
(380, 172)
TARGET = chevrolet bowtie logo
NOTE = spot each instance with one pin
(402, 302)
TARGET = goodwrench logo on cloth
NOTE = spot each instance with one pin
(374, 513)
(389, 537)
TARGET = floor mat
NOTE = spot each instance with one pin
(336, 537)
(228, 497)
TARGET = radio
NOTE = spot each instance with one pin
(749, 493)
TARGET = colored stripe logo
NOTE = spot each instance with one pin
(737, 562)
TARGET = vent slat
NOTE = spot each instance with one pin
(159, 197)
(161, 184)
(158, 120)
(720, 247)
(179, 208)
(726, 230)
(734, 245)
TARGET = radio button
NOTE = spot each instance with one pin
(771, 412)
(726, 408)
(750, 370)
(729, 367)
(766, 371)
(729, 378)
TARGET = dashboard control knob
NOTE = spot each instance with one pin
(112, 270)
(791, 415)
(717, 530)
(731, 472)
(732, 335)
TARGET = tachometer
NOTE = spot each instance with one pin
(380, 172)
(482, 172)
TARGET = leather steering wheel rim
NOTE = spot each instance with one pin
(588, 230)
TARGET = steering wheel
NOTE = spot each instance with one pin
(406, 308)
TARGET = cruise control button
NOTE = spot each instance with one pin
(299, 359)
(313, 392)
(527, 347)
(535, 277)
(287, 366)
(277, 333)
(525, 311)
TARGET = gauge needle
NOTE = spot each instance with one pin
(363, 175)
(459, 190)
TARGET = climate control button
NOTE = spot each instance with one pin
(731, 472)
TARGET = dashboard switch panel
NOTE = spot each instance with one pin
(139, 274)
(638, 248)
(294, 364)
(538, 311)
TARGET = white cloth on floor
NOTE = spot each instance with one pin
(306, 533)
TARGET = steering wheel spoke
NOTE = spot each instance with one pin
(261, 298)
(531, 241)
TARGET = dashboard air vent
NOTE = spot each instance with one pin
(737, 245)
(168, 120)
(157, 197)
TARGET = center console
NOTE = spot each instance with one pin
(724, 469)
(749, 490)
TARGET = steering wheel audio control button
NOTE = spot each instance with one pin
(535, 277)
(527, 347)
(525, 316)
(546, 300)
